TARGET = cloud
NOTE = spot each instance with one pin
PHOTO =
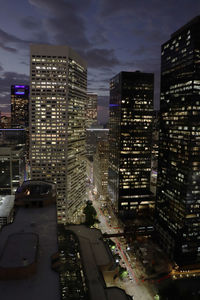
(25, 63)
(151, 8)
(6, 39)
(1, 68)
(65, 21)
(149, 21)
(99, 58)
(13, 44)
(69, 30)
(9, 49)
(30, 23)
(60, 6)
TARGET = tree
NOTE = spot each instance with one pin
(122, 272)
(90, 214)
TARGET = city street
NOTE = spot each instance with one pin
(132, 284)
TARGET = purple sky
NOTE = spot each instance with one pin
(112, 35)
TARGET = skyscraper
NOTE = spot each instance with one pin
(178, 191)
(91, 109)
(131, 110)
(100, 168)
(57, 123)
(19, 105)
(20, 111)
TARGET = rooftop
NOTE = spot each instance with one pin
(95, 255)
(192, 22)
(45, 283)
(20, 249)
(35, 190)
(7, 150)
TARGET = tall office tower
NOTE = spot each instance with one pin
(57, 124)
(100, 169)
(19, 105)
(20, 111)
(178, 191)
(131, 111)
(94, 134)
(154, 151)
(91, 109)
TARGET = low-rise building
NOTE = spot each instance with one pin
(26, 247)
(12, 169)
(6, 209)
(99, 265)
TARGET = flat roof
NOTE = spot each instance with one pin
(20, 249)
(56, 50)
(45, 283)
(195, 20)
(7, 150)
(95, 254)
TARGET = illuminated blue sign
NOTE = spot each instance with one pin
(21, 89)
(20, 86)
(19, 93)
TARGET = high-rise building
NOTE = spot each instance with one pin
(94, 134)
(178, 190)
(19, 105)
(20, 110)
(154, 151)
(100, 169)
(91, 109)
(57, 124)
(131, 111)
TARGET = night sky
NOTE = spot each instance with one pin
(112, 35)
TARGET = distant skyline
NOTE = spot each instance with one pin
(111, 35)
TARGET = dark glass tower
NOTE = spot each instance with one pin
(131, 111)
(178, 192)
(19, 105)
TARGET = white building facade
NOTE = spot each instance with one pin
(6, 209)
(57, 124)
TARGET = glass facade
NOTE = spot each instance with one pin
(178, 190)
(131, 112)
